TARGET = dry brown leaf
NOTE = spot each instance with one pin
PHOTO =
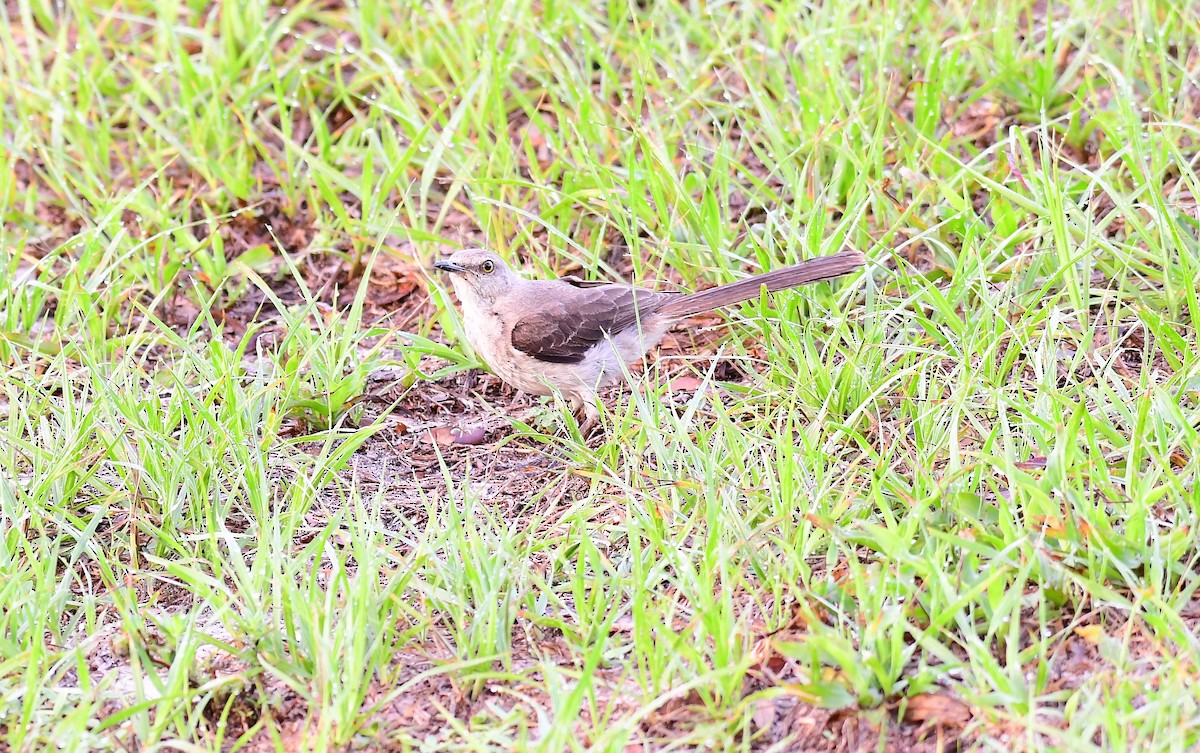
(388, 297)
(448, 435)
(469, 435)
(767, 659)
(685, 384)
(765, 711)
(936, 708)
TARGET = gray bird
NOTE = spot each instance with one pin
(571, 337)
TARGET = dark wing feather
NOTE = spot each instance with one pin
(578, 282)
(564, 327)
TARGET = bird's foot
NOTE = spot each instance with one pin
(587, 424)
(587, 416)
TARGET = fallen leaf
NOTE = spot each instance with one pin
(397, 293)
(936, 708)
(678, 707)
(534, 135)
(767, 659)
(182, 311)
(765, 711)
(1093, 634)
(1034, 463)
(980, 118)
(468, 435)
(819, 521)
(448, 435)
(685, 384)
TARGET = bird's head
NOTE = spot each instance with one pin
(478, 273)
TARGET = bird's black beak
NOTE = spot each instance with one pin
(448, 266)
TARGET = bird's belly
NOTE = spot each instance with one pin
(528, 374)
(606, 362)
(602, 365)
(492, 343)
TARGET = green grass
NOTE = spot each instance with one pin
(966, 475)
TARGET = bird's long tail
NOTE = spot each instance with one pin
(812, 270)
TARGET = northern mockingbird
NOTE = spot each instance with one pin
(571, 337)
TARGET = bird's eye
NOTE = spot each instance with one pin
(488, 266)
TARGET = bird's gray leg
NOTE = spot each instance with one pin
(531, 410)
(468, 384)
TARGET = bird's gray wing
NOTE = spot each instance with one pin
(566, 322)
